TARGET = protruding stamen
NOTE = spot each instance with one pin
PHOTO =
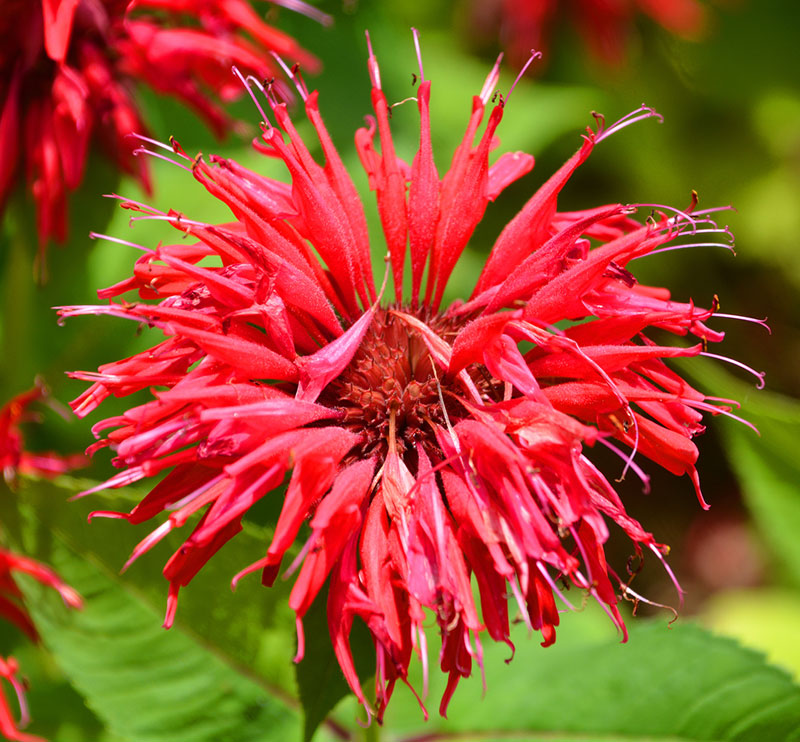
(129, 203)
(247, 87)
(168, 147)
(669, 571)
(641, 113)
(177, 218)
(298, 560)
(633, 465)
(98, 236)
(673, 220)
(269, 94)
(714, 209)
(298, 6)
(419, 53)
(158, 155)
(551, 582)
(534, 55)
(754, 320)
(491, 81)
(758, 374)
(293, 73)
(722, 411)
(372, 64)
(690, 244)
(630, 594)
(148, 542)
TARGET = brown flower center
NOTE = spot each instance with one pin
(391, 384)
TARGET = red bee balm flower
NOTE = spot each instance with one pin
(604, 24)
(14, 458)
(68, 68)
(423, 444)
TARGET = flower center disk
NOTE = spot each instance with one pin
(390, 392)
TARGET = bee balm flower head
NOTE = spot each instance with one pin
(68, 70)
(423, 445)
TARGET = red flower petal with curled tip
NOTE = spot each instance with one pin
(420, 444)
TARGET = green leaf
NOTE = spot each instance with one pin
(767, 466)
(678, 683)
(765, 619)
(252, 628)
(147, 684)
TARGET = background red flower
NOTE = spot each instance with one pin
(69, 70)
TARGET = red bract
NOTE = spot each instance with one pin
(68, 69)
(14, 459)
(421, 445)
(13, 609)
(605, 25)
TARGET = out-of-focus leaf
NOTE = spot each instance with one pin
(767, 466)
(30, 288)
(664, 684)
(252, 627)
(147, 684)
(767, 203)
(765, 619)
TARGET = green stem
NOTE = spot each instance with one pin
(372, 733)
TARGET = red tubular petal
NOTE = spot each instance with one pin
(326, 220)
(335, 523)
(391, 194)
(423, 196)
(9, 136)
(538, 271)
(348, 197)
(528, 230)
(58, 17)
(318, 370)
(509, 167)
(475, 337)
(463, 210)
(316, 463)
(250, 360)
(71, 123)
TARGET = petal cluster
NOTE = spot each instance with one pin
(68, 73)
(417, 449)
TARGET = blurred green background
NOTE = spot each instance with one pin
(731, 105)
